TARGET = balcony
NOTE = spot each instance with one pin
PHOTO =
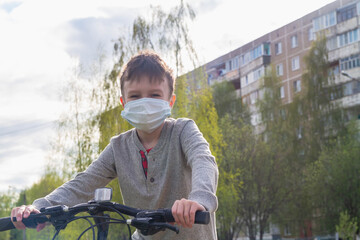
(347, 25)
(232, 75)
(350, 101)
(340, 79)
(263, 60)
(251, 87)
(344, 51)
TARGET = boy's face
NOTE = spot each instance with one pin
(143, 88)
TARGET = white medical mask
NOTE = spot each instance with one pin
(146, 114)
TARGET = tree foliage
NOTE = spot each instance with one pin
(347, 227)
(203, 112)
(335, 179)
(315, 122)
(7, 202)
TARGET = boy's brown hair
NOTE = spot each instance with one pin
(150, 64)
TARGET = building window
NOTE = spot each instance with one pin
(266, 47)
(350, 62)
(254, 97)
(228, 65)
(311, 34)
(259, 51)
(279, 69)
(324, 21)
(255, 119)
(234, 63)
(331, 43)
(258, 73)
(334, 70)
(297, 86)
(346, 13)
(348, 37)
(348, 89)
(222, 72)
(295, 63)
(282, 92)
(294, 41)
(278, 48)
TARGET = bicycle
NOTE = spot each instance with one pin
(148, 222)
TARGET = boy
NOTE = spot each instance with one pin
(161, 163)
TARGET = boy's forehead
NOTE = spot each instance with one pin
(145, 81)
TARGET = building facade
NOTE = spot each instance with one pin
(285, 47)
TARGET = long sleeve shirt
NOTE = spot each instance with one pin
(179, 166)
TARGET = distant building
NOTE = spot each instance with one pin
(285, 48)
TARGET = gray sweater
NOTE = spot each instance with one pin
(179, 166)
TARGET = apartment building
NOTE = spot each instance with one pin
(285, 48)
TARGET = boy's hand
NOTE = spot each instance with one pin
(184, 212)
(24, 212)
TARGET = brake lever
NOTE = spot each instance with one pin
(147, 226)
(168, 226)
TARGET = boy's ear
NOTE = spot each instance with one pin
(172, 100)
(122, 101)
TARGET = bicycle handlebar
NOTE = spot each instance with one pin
(31, 222)
(147, 221)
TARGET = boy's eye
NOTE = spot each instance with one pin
(155, 95)
(133, 96)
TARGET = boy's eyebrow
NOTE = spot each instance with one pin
(133, 92)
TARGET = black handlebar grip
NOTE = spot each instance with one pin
(201, 217)
(33, 220)
(6, 224)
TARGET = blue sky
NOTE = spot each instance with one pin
(39, 39)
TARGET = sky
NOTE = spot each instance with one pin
(39, 40)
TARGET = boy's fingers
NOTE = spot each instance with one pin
(40, 226)
(195, 207)
(180, 213)
(192, 212)
(187, 207)
(29, 209)
(174, 211)
(27, 212)
(184, 212)
(19, 213)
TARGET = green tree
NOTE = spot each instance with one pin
(76, 143)
(321, 118)
(181, 107)
(234, 124)
(314, 121)
(261, 155)
(228, 221)
(7, 202)
(335, 178)
(227, 102)
(203, 112)
(347, 227)
(231, 184)
(48, 182)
